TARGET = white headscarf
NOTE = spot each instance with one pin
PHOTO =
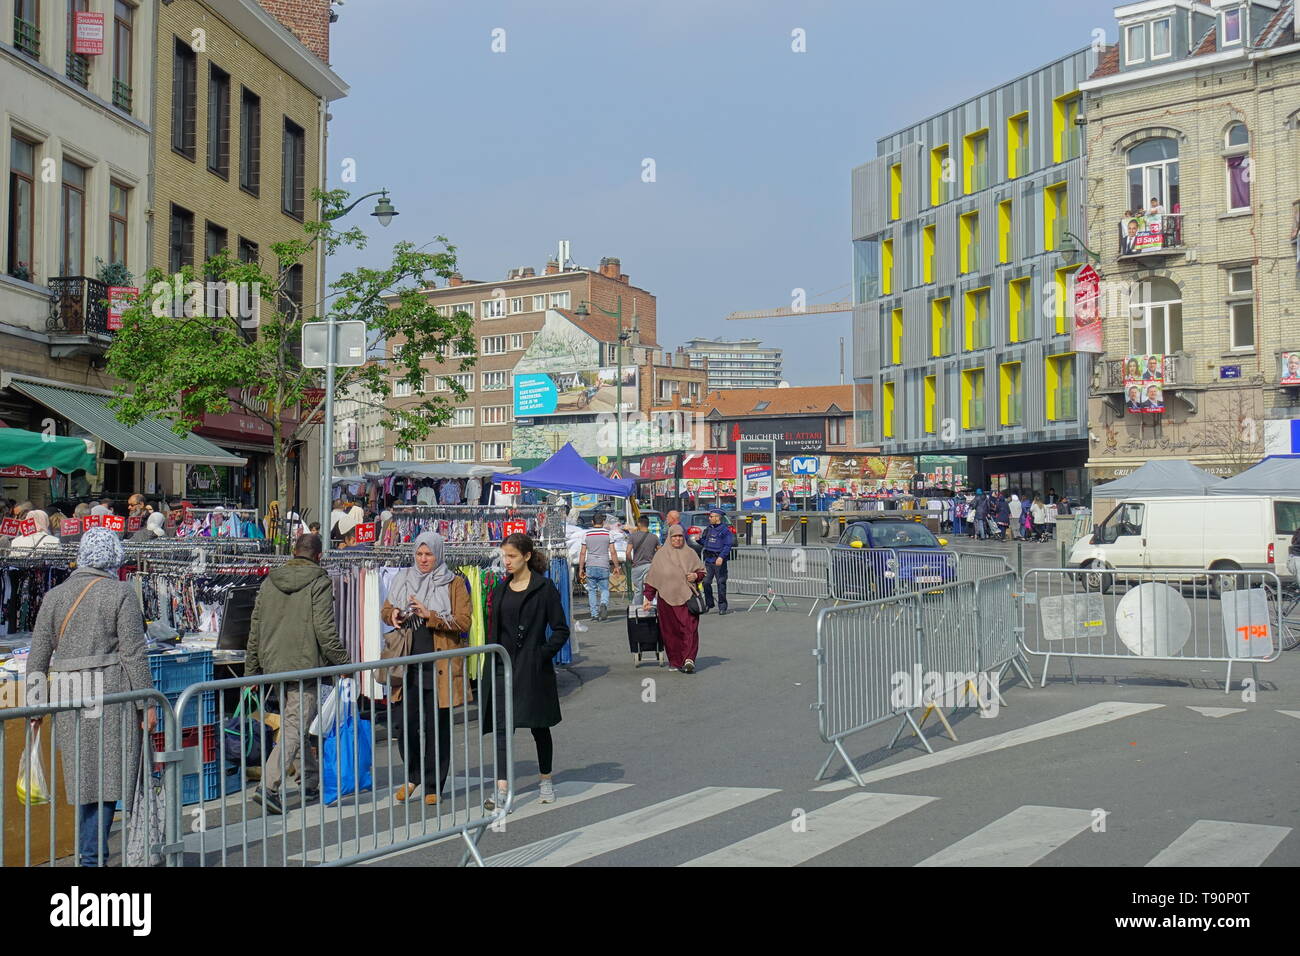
(430, 589)
(155, 524)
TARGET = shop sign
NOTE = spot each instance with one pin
(115, 523)
(344, 458)
(803, 466)
(512, 488)
(88, 34)
(366, 533)
(119, 300)
(790, 434)
(516, 527)
(707, 466)
(1087, 320)
(22, 471)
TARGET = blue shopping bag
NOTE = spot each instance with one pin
(347, 752)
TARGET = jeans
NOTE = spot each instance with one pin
(597, 588)
(981, 532)
(94, 819)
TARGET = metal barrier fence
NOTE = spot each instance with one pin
(55, 827)
(972, 567)
(1220, 616)
(866, 574)
(438, 746)
(799, 572)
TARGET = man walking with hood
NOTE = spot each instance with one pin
(293, 628)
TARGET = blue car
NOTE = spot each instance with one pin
(876, 558)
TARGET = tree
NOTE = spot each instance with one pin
(185, 346)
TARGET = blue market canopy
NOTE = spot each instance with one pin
(567, 471)
(38, 451)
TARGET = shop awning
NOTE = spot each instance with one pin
(150, 440)
(38, 451)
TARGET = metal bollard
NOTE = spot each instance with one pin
(803, 530)
(843, 522)
(763, 522)
(749, 529)
(1020, 559)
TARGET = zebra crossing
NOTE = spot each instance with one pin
(1024, 836)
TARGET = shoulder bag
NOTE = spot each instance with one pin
(695, 603)
(397, 643)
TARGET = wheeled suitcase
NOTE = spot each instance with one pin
(643, 635)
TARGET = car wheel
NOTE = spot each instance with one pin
(1224, 582)
(1094, 579)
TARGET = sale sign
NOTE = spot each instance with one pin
(70, 526)
(516, 527)
(93, 521)
(27, 526)
(88, 33)
(10, 528)
(115, 523)
(134, 524)
(366, 533)
(511, 487)
(119, 300)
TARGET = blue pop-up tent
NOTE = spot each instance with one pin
(567, 471)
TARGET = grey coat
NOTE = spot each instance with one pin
(106, 634)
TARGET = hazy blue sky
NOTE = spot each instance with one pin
(506, 153)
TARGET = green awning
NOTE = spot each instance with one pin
(151, 440)
(39, 451)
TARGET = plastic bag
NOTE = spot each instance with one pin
(32, 788)
(346, 750)
(144, 830)
(327, 714)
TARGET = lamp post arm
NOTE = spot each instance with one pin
(1091, 255)
(339, 214)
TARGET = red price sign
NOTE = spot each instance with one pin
(115, 523)
(134, 524)
(511, 488)
(516, 527)
(366, 533)
(70, 526)
(88, 33)
(93, 521)
(27, 526)
(10, 527)
(119, 298)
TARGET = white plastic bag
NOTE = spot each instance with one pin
(32, 788)
(334, 708)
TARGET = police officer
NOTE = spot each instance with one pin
(715, 549)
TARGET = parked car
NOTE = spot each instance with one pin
(877, 557)
(1195, 533)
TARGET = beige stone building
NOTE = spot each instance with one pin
(1193, 114)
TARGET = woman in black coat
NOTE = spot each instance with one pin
(523, 608)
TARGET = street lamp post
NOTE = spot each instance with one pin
(384, 212)
(583, 311)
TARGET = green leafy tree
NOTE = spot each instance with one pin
(229, 336)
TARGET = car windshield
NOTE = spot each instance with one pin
(902, 536)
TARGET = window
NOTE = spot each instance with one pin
(493, 308)
(462, 452)
(1056, 218)
(462, 418)
(494, 381)
(1064, 297)
(977, 319)
(78, 63)
(219, 121)
(975, 168)
(930, 401)
(465, 307)
(517, 342)
(496, 450)
(22, 207)
(837, 431)
(247, 251)
(517, 305)
(293, 173)
(895, 191)
(887, 410)
(941, 327)
(1237, 143)
(496, 414)
(27, 27)
(1241, 311)
(559, 300)
(1062, 399)
(72, 246)
(1231, 26)
(250, 141)
(896, 337)
(184, 98)
(401, 389)
(465, 380)
(1124, 521)
(215, 239)
(401, 454)
(291, 298)
(1161, 45)
(927, 253)
(1135, 43)
(421, 453)
(1017, 145)
(1010, 394)
(941, 176)
(887, 267)
(439, 452)
(969, 242)
(119, 198)
(1156, 318)
(972, 398)
(123, 24)
(539, 303)
(1018, 293)
(866, 269)
(1066, 141)
(1153, 176)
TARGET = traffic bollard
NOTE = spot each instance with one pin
(1020, 559)
(843, 522)
(803, 530)
(763, 523)
(749, 529)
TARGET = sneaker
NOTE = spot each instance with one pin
(311, 796)
(723, 611)
(269, 800)
(492, 803)
(675, 670)
(688, 667)
(604, 612)
(547, 791)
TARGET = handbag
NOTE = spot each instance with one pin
(243, 735)
(695, 603)
(397, 643)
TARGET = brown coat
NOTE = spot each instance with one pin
(446, 633)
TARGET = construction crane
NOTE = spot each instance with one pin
(787, 310)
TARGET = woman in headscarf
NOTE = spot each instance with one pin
(1015, 506)
(674, 573)
(40, 539)
(218, 525)
(154, 528)
(434, 602)
(90, 630)
(189, 526)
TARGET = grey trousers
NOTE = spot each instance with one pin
(297, 711)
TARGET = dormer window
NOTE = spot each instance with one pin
(1231, 26)
(1161, 39)
(1135, 43)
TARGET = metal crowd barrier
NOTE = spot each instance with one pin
(973, 567)
(747, 571)
(866, 574)
(365, 820)
(47, 819)
(799, 572)
(1225, 617)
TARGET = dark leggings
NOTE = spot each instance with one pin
(545, 749)
(437, 730)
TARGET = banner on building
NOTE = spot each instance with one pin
(1087, 317)
(119, 300)
(1141, 234)
(1144, 384)
(1290, 368)
(88, 33)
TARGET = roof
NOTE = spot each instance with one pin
(603, 328)
(1107, 63)
(745, 402)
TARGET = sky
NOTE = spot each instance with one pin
(508, 126)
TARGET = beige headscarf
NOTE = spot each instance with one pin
(669, 569)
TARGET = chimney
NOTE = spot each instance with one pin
(622, 277)
(609, 267)
(552, 267)
(527, 272)
(455, 279)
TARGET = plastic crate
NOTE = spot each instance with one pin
(193, 717)
(208, 780)
(211, 734)
(173, 672)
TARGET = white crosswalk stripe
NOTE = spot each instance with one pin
(831, 826)
(605, 836)
(1021, 838)
(1219, 843)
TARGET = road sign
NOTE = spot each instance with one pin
(803, 466)
(349, 344)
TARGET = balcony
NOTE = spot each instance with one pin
(122, 95)
(79, 69)
(27, 38)
(1179, 371)
(78, 322)
(1148, 243)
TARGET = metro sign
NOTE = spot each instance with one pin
(803, 466)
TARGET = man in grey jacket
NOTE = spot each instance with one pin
(292, 629)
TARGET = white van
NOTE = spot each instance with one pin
(1226, 532)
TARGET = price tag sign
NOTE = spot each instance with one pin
(70, 526)
(516, 527)
(115, 523)
(511, 488)
(27, 526)
(134, 524)
(93, 521)
(10, 528)
(366, 533)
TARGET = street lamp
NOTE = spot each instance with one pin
(582, 311)
(384, 212)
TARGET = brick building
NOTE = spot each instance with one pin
(1196, 108)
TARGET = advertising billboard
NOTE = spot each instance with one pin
(581, 392)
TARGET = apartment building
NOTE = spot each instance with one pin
(508, 315)
(742, 363)
(965, 235)
(1195, 110)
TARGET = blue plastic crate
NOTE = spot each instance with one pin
(173, 672)
(210, 780)
(192, 716)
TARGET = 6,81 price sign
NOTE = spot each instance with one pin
(511, 488)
